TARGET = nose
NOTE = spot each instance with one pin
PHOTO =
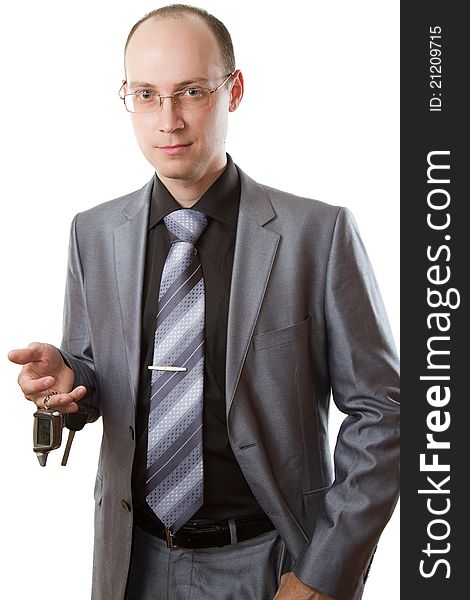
(169, 115)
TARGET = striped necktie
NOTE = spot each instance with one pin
(174, 481)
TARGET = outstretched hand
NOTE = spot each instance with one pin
(44, 371)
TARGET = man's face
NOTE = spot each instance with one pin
(168, 55)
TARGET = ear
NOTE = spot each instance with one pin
(123, 88)
(236, 92)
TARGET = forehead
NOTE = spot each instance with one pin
(172, 49)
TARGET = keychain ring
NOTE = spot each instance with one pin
(47, 400)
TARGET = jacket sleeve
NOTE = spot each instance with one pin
(364, 379)
(76, 347)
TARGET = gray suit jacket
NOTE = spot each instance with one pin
(305, 319)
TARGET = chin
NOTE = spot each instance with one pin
(174, 171)
(178, 167)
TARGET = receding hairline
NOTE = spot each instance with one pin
(155, 18)
(179, 11)
(174, 17)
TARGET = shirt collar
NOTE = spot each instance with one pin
(220, 201)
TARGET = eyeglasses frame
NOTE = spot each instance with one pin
(172, 96)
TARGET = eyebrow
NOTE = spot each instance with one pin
(133, 84)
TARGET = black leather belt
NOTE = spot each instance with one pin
(204, 533)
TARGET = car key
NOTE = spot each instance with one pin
(68, 445)
(74, 422)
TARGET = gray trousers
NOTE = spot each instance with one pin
(249, 570)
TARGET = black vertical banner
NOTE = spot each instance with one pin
(435, 258)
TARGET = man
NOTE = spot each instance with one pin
(281, 308)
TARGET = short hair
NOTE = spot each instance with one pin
(217, 27)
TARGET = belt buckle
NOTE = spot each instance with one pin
(169, 539)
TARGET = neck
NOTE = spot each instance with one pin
(187, 192)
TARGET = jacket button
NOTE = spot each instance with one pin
(131, 431)
(125, 506)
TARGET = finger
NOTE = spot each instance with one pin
(35, 352)
(72, 407)
(22, 356)
(34, 387)
(67, 402)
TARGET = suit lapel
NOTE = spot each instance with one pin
(255, 249)
(130, 240)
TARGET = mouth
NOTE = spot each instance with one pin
(175, 149)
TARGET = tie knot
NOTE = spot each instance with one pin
(186, 224)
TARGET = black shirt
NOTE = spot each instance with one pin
(226, 492)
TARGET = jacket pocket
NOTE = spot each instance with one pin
(277, 337)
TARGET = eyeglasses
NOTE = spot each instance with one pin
(191, 98)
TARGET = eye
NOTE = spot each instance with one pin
(144, 95)
(194, 92)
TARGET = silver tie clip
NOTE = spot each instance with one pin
(166, 368)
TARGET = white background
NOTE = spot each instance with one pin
(319, 118)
